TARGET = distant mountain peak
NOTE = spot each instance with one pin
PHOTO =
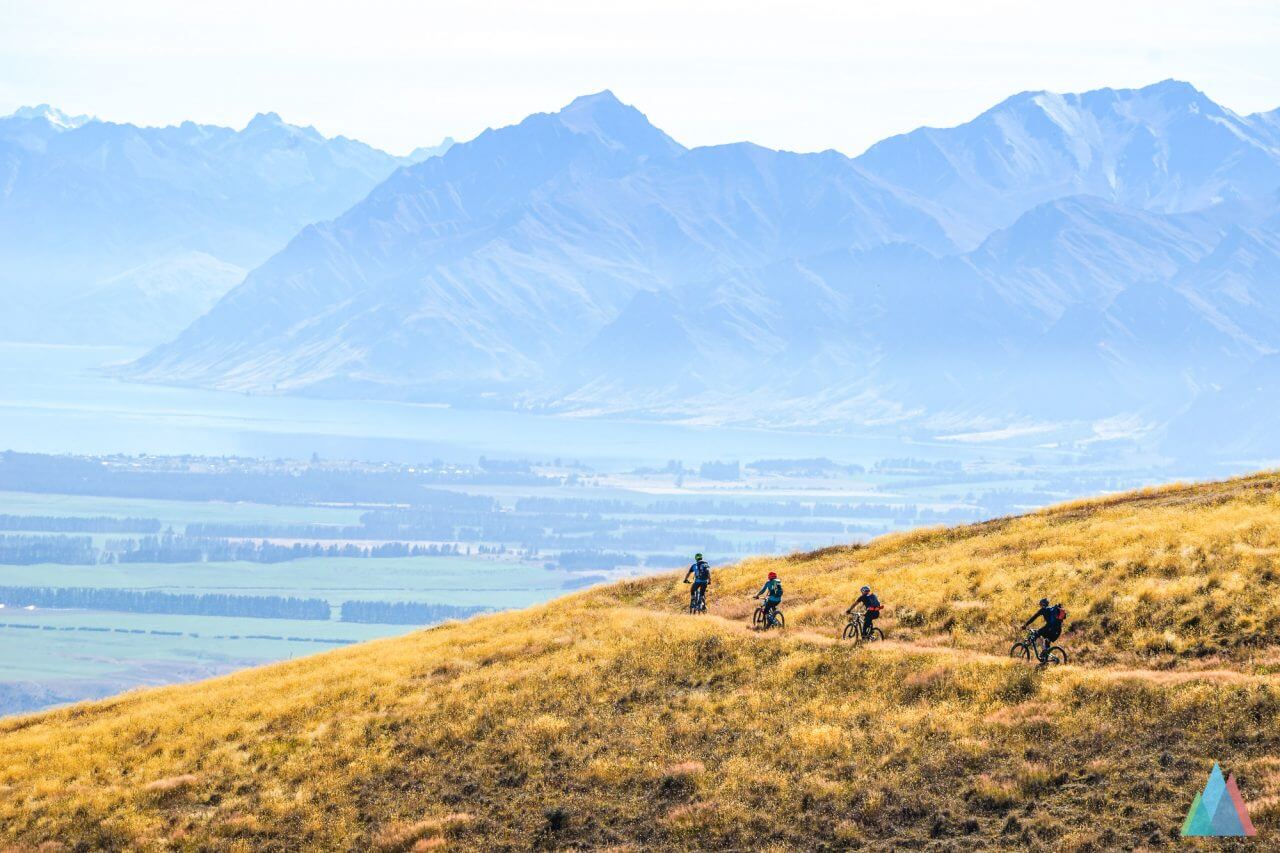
(617, 124)
(1165, 91)
(604, 97)
(271, 125)
(52, 115)
(269, 119)
(1172, 86)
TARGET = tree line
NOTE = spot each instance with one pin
(149, 601)
(72, 524)
(30, 550)
(219, 604)
(187, 549)
(169, 548)
(404, 612)
(247, 480)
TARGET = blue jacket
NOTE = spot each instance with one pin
(1052, 617)
(868, 601)
(774, 589)
(701, 572)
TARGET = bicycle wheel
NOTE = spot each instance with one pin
(1055, 655)
(757, 618)
(876, 634)
(850, 631)
(779, 621)
(1020, 650)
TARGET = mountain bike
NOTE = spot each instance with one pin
(1049, 654)
(698, 602)
(758, 620)
(855, 630)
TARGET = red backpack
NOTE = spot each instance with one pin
(1060, 612)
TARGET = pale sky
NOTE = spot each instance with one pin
(798, 75)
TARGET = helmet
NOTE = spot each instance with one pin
(773, 576)
(866, 589)
(697, 556)
(1044, 602)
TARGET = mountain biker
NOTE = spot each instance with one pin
(868, 600)
(701, 572)
(773, 588)
(1053, 618)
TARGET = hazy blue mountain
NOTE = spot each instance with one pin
(84, 202)
(151, 303)
(87, 193)
(424, 152)
(51, 116)
(146, 305)
(1106, 259)
(1165, 147)
(1235, 421)
(484, 268)
(1047, 317)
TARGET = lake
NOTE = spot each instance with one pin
(57, 399)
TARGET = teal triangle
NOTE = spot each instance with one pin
(1191, 816)
(1226, 821)
(1201, 822)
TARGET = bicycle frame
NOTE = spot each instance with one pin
(770, 614)
(1040, 645)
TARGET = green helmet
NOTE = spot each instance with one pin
(697, 556)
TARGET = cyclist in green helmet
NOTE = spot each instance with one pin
(701, 573)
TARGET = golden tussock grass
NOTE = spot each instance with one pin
(610, 720)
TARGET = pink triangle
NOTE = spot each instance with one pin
(1234, 792)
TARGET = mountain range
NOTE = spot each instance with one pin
(1097, 257)
(93, 214)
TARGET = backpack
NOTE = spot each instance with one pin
(1059, 613)
(702, 571)
(777, 589)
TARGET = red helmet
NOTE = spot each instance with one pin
(773, 576)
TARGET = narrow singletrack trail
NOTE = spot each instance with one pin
(831, 637)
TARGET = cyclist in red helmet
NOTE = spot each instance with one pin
(772, 590)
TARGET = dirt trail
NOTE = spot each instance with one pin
(1119, 672)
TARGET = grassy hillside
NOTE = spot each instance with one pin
(610, 719)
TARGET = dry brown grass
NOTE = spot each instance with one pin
(610, 720)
